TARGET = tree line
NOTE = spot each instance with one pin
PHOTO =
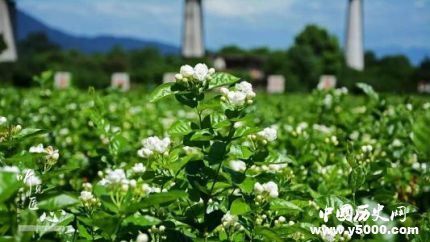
(314, 52)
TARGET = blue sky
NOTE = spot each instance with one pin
(248, 23)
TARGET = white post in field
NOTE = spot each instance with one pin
(7, 31)
(192, 42)
(354, 53)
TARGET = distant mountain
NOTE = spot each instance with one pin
(27, 24)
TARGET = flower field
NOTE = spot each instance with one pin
(209, 158)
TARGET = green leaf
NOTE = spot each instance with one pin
(239, 207)
(201, 135)
(162, 91)
(247, 185)
(217, 152)
(180, 127)
(58, 202)
(83, 232)
(357, 178)
(222, 79)
(240, 152)
(280, 204)
(157, 199)
(8, 185)
(268, 234)
(142, 220)
(29, 132)
(421, 135)
(117, 145)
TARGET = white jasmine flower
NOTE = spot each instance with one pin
(268, 134)
(179, 77)
(201, 72)
(37, 149)
(211, 71)
(269, 188)
(236, 98)
(144, 153)
(354, 135)
(138, 168)
(246, 88)
(142, 237)
(238, 125)
(281, 219)
(186, 71)
(238, 165)
(115, 177)
(153, 145)
(274, 168)
(341, 91)
(3, 120)
(86, 196)
(229, 220)
(258, 188)
(409, 107)
(366, 148)
(397, 143)
(224, 90)
(52, 153)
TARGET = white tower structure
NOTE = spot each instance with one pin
(7, 31)
(193, 43)
(354, 53)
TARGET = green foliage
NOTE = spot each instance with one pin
(202, 183)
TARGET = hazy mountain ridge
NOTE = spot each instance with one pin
(26, 25)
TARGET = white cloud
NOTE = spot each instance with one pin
(247, 8)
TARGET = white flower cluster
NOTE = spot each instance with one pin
(332, 139)
(200, 73)
(269, 189)
(154, 145)
(117, 180)
(268, 134)
(52, 155)
(237, 165)
(229, 220)
(138, 168)
(366, 148)
(341, 91)
(87, 198)
(241, 95)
